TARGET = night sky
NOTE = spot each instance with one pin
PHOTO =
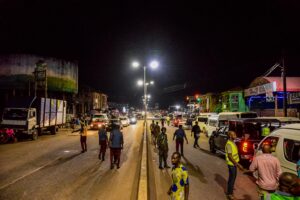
(211, 46)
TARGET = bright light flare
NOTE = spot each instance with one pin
(135, 64)
(154, 64)
(151, 82)
(140, 82)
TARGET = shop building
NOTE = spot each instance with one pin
(265, 95)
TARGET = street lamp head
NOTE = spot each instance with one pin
(135, 64)
(151, 82)
(154, 64)
(140, 82)
(177, 107)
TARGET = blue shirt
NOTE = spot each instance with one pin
(116, 139)
(179, 134)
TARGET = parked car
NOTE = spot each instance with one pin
(285, 143)
(124, 121)
(202, 120)
(249, 133)
(217, 121)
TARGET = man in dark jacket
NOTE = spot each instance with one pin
(196, 130)
(116, 145)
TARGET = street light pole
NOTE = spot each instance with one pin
(145, 97)
(154, 64)
(283, 75)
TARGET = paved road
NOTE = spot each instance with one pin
(208, 173)
(53, 167)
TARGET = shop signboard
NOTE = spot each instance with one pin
(261, 89)
(294, 98)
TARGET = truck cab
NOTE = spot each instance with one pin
(22, 120)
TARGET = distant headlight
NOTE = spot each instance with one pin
(133, 119)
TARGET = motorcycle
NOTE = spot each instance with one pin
(7, 135)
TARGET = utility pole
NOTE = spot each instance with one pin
(283, 76)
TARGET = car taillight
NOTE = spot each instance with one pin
(266, 143)
(245, 146)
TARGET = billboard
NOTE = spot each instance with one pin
(16, 72)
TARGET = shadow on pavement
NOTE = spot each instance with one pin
(194, 170)
(221, 181)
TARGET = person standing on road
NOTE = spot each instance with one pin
(288, 188)
(83, 136)
(180, 136)
(232, 160)
(162, 121)
(116, 143)
(103, 142)
(162, 145)
(269, 170)
(168, 120)
(156, 132)
(179, 190)
(196, 130)
(152, 128)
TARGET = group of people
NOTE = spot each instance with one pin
(271, 183)
(180, 186)
(179, 135)
(114, 142)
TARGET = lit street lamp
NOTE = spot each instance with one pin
(140, 82)
(154, 64)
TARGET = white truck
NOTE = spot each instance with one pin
(30, 116)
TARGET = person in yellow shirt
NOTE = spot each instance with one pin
(232, 160)
(179, 190)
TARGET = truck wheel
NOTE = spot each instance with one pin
(34, 135)
(53, 130)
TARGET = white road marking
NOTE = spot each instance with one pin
(28, 174)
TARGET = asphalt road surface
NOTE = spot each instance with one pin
(53, 167)
(208, 173)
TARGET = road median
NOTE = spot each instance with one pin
(143, 175)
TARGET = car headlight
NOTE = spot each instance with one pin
(133, 119)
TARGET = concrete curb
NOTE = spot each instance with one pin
(143, 179)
